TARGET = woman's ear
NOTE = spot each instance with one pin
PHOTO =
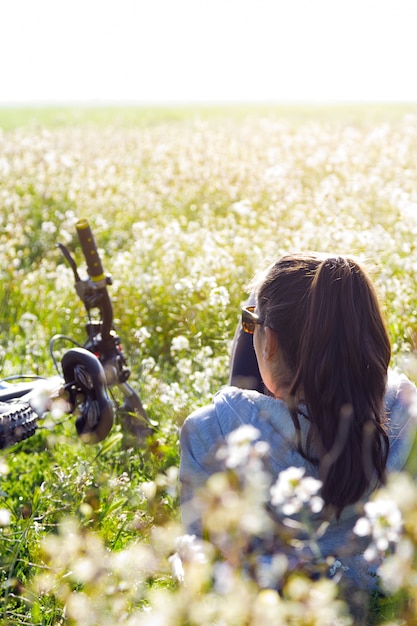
(270, 344)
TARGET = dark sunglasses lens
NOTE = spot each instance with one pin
(248, 324)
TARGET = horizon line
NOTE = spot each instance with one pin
(190, 102)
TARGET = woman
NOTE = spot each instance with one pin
(330, 406)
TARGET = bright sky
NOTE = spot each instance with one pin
(207, 50)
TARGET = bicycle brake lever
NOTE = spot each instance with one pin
(70, 261)
(86, 290)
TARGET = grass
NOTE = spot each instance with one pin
(55, 116)
(186, 204)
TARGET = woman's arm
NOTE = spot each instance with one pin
(402, 414)
(199, 441)
(244, 370)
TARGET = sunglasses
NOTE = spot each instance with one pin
(250, 319)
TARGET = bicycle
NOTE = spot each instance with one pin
(89, 373)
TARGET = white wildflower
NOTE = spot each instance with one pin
(275, 172)
(189, 549)
(244, 207)
(4, 468)
(396, 570)
(5, 517)
(180, 343)
(239, 444)
(382, 523)
(201, 381)
(205, 353)
(27, 322)
(142, 334)
(185, 367)
(293, 491)
(219, 297)
(224, 575)
(148, 365)
(270, 570)
(48, 227)
(173, 395)
(177, 567)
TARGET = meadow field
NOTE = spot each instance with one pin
(186, 204)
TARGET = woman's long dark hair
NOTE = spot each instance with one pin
(335, 344)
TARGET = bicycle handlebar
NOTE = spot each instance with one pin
(89, 248)
(103, 340)
(93, 292)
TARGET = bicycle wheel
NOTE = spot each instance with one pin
(18, 421)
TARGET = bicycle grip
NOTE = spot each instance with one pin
(89, 248)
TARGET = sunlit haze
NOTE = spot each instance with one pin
(207, 50)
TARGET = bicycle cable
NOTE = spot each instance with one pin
(51, 348)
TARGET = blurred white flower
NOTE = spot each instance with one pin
(201, 381)
(205, 353)
(27, 321)
(48, 227)
(239, 445)
(189, 549)
(4, 468)
(244, 207)
(275, 172)
(5, 517)
(293, 491)
(219, 297)
(224, 575)
(142, 334)
(4, 167)
(382, 523)
(396, 570)
(270, 570)
(180, 343)
(148, 365)
(177, 567)
(173, 395)
(46, 396)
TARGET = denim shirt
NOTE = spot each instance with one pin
(206, 429)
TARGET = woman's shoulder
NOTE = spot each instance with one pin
(206, 428)
(233, 407)
(230, 407)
